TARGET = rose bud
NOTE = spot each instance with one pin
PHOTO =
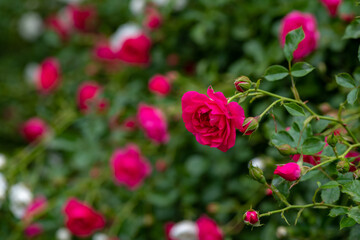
(159, 85)
(286, 149)
(343, 166)
(290, 171)
(251, 217)
(242, 84)
(34, 129)
(268, 192)
(257, 174)
(332, 6)
(250, 125)
(332, 140)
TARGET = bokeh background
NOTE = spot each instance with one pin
(198, 43)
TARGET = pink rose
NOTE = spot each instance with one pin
(81, 219)
(251, 217)
(160, 85)
(290, 171)
(136, 50)
(34, 129)
(103, 51)
(61, 23)
(48, 75)
(129, 167)
(153, 122)
(211, 118)
(308, 23)
(153, 19)
(37, 206)
(307, 158)
(83, 17)
(208, 230)
(332, 6)
(89, 96)
(33, 230)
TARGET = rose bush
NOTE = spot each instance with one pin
(113, 89)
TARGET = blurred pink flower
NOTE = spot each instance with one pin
(160, 85)
(81, 219)
(308, 23)
(129, 167)
(332, 6)
(33, 230)
(208, 230)
(34, 129)
(153, 19)
(37, 206)
(48, 75)
(153, 122)
(83, 17)
(88, 96)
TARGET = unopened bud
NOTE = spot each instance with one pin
(286, 149)
(343, 166)
(242, 84)
(250, 125)
(257, 174)
(251, 217)
(332, 140)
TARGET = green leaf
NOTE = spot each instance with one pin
(334, 212)
(330, 184)
(354, 213)
(312, 146)
(353, 189)
(330, 195)
(292, 41)
(352, 96)
(301, 69)
(347, 222)
(276, 72)
(294, 109)
(282, 137)
(355, 232)
(345, 80)
(353, 30)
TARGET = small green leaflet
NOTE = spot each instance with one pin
(294, 109)
(276, 72)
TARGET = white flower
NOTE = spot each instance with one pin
(137, 6)
(258, 162)
(100, 236)
(122, 33)
(20, 197)
(3, 187)
(184, 230)
(2, 161)
(63, 234)
(281, 232)
(30, 26)
(31, 72)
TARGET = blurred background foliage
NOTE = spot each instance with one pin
(216, 41)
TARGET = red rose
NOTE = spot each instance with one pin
(211, 118)
(153, 122)
(251, 217)
(308, 23)
(89, 96)
(290, 171)
(208, 230)
(33, 230)
(81, 219)
(48, 75)
(83, 18)
(129, 167)
(160, 85)
(135, 50)
(34, 129)
(332, 6)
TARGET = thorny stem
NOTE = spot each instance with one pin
(280, 196)
(302, 206)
